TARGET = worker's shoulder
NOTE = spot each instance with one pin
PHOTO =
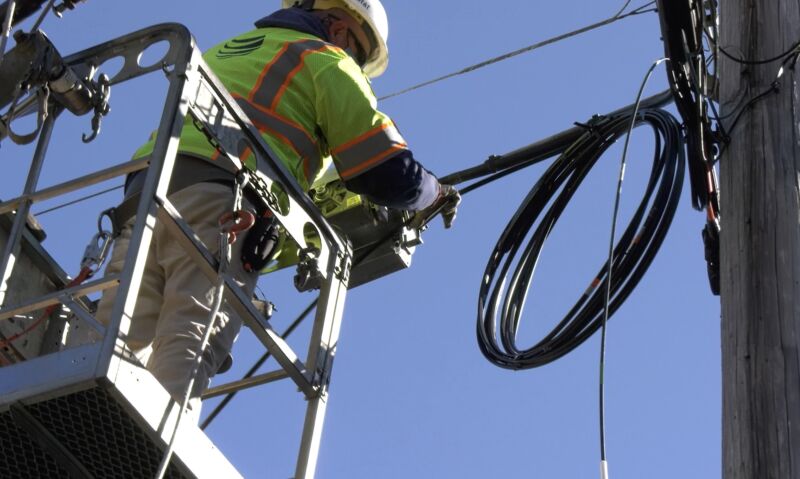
(274, 41)
(296, 40)
(318, 56)
(304, 44)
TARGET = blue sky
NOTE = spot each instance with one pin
(411, 394)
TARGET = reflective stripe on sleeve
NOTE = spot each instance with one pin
(287, 132)
(368, 150)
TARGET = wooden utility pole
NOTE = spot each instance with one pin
(760, 255)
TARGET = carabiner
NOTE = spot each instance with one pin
(234, 222)
(96, 251)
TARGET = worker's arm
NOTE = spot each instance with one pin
(400, 182)
(369, 152)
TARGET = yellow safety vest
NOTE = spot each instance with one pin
(308, 98)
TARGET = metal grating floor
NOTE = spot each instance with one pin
(94, 428)
(21, 458)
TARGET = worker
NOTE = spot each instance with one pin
(302, 78)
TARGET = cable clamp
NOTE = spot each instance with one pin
(344, 262)
(308, 275)
(592, 126)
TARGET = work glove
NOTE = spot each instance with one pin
(446, 203)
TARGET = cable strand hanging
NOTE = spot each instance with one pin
(610, 263)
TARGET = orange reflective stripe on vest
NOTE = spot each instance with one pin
(286, 131)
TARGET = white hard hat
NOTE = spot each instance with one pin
(370, 11)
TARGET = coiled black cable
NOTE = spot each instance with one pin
(502, 294)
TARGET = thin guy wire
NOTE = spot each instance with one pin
(529, 48)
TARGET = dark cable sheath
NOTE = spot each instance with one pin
(499, 165)
(503, 293)
(746, 61)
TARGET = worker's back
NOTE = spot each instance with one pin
(306, 96)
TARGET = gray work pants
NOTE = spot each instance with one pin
(175, 296)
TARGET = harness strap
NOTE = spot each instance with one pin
(126, 210)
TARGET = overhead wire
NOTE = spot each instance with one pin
(614, 18)
(79, 200)
(745, 61)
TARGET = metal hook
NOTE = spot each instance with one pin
(234, 222)
(95, 129)
(96, 251)
(44, 97)
(101, 107)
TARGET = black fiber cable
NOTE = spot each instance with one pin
(746, 61)
(585, 143)
(511, 266)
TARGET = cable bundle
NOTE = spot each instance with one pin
(502, 294)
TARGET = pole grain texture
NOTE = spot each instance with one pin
(760, 244)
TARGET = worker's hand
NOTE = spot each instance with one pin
(446, 203)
